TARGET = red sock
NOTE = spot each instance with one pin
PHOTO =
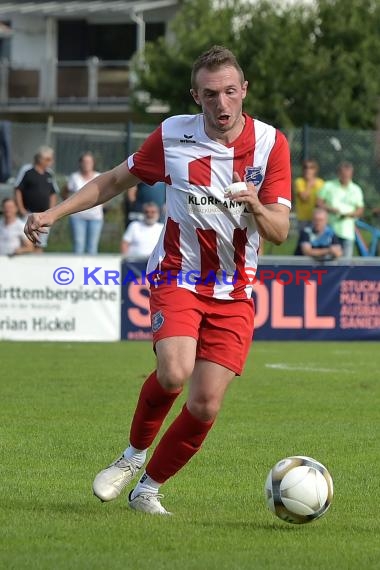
(178, 445)
(152, 408)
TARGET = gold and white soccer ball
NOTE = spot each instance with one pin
(299, 489)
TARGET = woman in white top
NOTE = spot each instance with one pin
(86, 226)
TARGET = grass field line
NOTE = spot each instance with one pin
(303, 367)
(65, 412)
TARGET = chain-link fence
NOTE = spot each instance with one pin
(330, 147)
(112, 143)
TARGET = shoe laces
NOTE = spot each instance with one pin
(126, 464)
(150, 496)
(153, 498)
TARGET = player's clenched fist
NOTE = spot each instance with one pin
(247, 196)
(37, 224)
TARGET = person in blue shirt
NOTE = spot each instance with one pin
(137, 196)
(318, 240)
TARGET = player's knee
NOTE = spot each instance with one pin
(172, 377)
(205, 410)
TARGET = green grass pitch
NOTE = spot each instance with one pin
(65, 411)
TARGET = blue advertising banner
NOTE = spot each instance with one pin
(324, 303)
(292, 302)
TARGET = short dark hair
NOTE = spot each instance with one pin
(8, 199)
(86, 153)
(310, 162)
(212, 59)
(345, 164)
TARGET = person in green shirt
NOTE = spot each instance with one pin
(343, 200)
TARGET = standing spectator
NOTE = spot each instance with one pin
(141, 237)
(343, 200)
(142, 193)
(318, 240)
(86, 226)
(306, 189)
(13, 241)
(36, 189)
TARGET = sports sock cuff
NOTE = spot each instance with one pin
(193, 422)
(160, 389)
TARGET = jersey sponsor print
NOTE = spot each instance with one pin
(205, 231)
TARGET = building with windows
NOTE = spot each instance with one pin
(66, 58)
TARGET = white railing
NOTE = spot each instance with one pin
(89, 82)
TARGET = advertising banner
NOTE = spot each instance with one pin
(59, 297)
(292, 302)
(318, 303)
(102, 298)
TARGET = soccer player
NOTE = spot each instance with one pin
(202, 330)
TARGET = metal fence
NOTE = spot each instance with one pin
(330, 147)
(111, 143)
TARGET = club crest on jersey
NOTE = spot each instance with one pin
(157, 321)
(254, 174)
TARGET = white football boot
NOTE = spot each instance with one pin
(109, 483)
(147, 503)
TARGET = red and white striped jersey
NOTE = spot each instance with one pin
(205, 233)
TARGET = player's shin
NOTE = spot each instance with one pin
(180, 442)
(152, 408)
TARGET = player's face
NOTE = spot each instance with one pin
(220, 93)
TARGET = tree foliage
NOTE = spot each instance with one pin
(306, 63)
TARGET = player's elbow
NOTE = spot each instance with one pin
(279, 239)
(281, 234)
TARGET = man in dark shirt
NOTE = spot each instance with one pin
(36, 189)
(318, 240)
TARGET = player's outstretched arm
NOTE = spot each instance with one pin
(97, 191)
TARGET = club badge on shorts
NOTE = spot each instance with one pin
(157, 321)
(254, 174)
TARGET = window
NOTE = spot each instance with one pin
(78, 40)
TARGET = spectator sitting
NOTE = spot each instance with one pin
(13, 241)
(137, 196)
(141, 237)
(306, 189)
(36, 189)
(318, 240)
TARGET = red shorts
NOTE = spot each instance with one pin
(223, 329)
